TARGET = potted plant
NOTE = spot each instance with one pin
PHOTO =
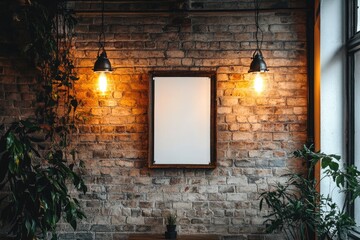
(171, 227)
(298, 210)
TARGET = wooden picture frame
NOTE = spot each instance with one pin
(182, 119)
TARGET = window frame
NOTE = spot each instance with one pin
(352, 46)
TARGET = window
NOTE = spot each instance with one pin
(353, 90)
(356, 121)
(357, 16)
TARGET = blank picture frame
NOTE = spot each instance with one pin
(182, 120)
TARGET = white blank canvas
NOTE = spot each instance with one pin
(182, 120)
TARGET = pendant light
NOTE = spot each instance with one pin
(258, 63)
(102, 64)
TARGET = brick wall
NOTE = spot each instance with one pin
(17, 81)
(17, 89)
(257, 133)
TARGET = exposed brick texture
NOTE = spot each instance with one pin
(257, 133)
(17, 81)
(17, 90)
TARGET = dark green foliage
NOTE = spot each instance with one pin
(171, 219)
(291, 211)
(34, 170)
(38, 185)
(43, 32)
(299, 210)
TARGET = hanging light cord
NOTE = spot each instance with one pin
(102, 33)
(258, 29)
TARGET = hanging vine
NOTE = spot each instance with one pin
(51, 34)
(34, 152)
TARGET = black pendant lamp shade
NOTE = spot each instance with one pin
(258, 64)
(102, 63)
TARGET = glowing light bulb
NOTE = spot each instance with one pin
(102, 82)
(258, 83)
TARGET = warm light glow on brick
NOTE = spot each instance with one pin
(261, 117)
(258, 83)
(102, 83)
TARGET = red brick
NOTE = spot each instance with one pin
(256, 132)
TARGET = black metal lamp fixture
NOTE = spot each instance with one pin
(102, 63)
(258, 63)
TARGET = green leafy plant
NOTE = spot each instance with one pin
(35, 169)
(300, 211)
(49, 33)
(38, 185)
(171, 219)
(171, 226)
